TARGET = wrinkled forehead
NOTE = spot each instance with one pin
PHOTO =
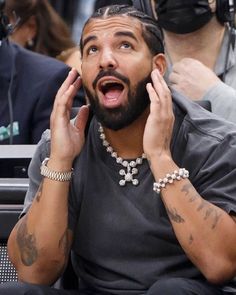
(111, 24)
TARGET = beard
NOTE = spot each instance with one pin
(122, 116)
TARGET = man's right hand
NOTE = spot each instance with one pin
(192, 78)
(67, 139)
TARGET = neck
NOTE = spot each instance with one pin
(203, 44)
(128, 142)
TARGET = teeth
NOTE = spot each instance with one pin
(107, 82)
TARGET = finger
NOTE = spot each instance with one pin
(77, 84)
(82, 118)
(72, 75)
(161, 88)
(63, 105)
(163, 92)
(152, 93)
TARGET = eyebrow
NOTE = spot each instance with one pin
(88, 39)
(117, 34)
(126, 34)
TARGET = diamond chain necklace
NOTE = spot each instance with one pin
(130, 169)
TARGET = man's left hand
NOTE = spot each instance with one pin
(159, 125)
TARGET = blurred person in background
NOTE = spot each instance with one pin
(29, 82)
(40, 27)
(200, 48)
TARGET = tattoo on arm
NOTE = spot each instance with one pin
(64, 244)
(187, 188)
(26, 243)
(39, 193)
(209, 211)
(216, 219)
(203, 204)
(174, 216)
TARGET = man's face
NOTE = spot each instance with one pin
(116, 66)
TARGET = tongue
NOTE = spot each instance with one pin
(113, 93)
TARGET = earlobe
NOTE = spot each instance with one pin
(32, 26)
(159, 62)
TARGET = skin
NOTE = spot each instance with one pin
(199, 226)
(193, 57)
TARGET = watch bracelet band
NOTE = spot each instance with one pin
(54, 175)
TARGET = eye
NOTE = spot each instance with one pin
(92, 50)
(126, 45)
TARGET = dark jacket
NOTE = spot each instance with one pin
(29, 81)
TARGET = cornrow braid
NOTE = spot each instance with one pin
(151, 32)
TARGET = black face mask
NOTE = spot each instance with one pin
(183, 16)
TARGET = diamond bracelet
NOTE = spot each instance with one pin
(182, 173)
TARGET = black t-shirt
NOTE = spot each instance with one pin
(124, 241)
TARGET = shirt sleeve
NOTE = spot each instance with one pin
(35, 178)
(223, 101)
(214, 178)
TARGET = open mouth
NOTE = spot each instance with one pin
(111, 89)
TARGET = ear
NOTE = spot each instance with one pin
(159, 62)
(32, 27)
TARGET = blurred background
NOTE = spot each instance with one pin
(74, 12)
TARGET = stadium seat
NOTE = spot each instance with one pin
(12, 192)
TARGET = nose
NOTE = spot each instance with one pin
(107, 60)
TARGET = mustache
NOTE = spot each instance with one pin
(110, 73)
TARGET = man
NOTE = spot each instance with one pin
(200, 48)
(128, 235)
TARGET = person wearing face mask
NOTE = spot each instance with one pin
(200, 47)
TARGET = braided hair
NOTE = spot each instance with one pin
(151, 32)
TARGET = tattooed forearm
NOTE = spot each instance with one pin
(174, 216)
(26, 243)
(216, 219)
(63, 243)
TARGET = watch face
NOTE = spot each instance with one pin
(45, 161)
